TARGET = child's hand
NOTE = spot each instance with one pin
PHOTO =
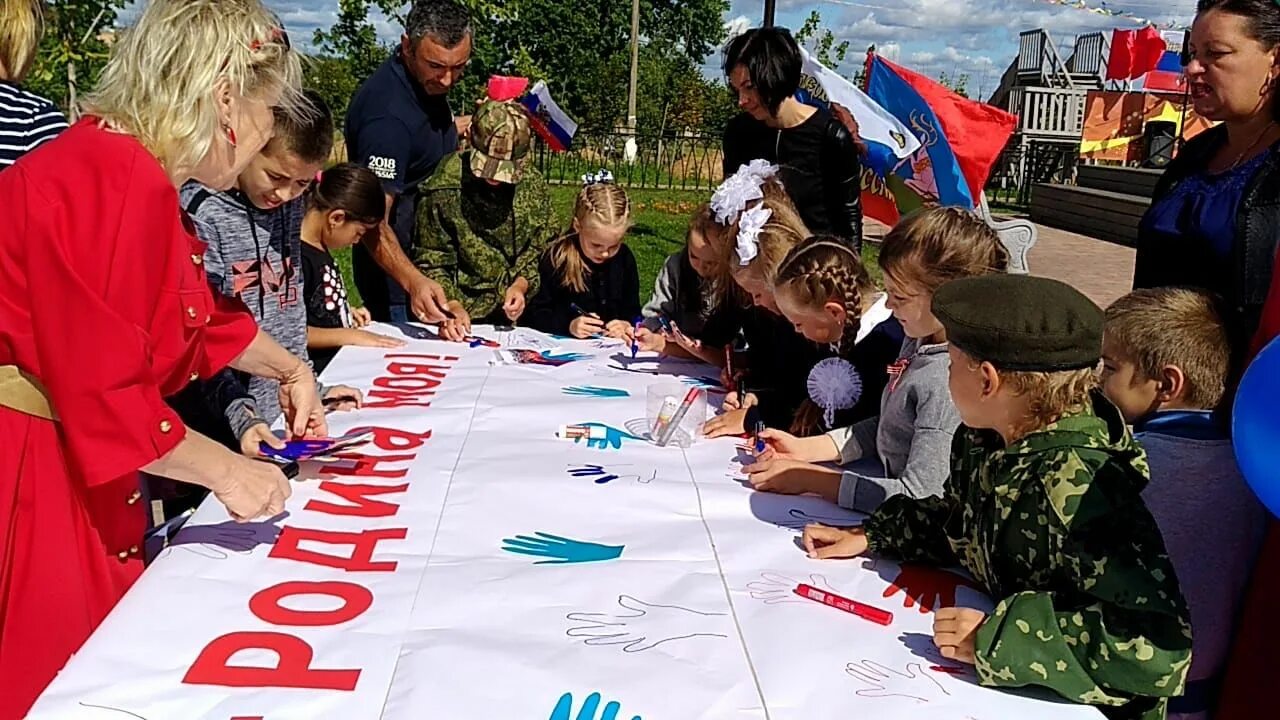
(684, 341)
(342, 397)
(650, 341)
(252, 439)
(730, 423)
(620, 329)
(784, 477)
(822, 542)
(585, 326)
(364, 338)
(457, 328)
(731, 401)
(361, 316)
(784, 445)
(513, 303)
(954, 632)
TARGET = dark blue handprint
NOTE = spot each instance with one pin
(604, 475)
(595, 392)
(560, 550)
(702, 382)
(564, 709)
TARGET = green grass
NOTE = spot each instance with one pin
(660, 220)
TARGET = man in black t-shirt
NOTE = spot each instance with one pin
(400, 125)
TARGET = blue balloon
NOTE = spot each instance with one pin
(1255, 426)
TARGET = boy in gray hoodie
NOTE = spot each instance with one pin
(906, 449)
(253, 233)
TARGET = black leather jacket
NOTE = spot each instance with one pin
(821, 168)
(1165, 260)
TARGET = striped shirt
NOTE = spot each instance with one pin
(26, 120)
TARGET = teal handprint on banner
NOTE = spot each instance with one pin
(595, 392)
(560, 550)
(562, 358)
(611, 437)
(590, 706)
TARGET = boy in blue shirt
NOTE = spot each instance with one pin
(1165, 363)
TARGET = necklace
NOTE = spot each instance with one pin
(1240, 158)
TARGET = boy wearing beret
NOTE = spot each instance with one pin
(1043, 507)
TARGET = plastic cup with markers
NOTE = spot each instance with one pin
(674, 414)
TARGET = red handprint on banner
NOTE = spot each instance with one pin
(928, 587)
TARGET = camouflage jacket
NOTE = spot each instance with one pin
(474, 249)
(1055, 528)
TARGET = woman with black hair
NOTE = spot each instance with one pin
(821, 169)
(1215, 216)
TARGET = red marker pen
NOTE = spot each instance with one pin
(862, 610)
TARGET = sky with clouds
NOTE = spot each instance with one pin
(974, 37)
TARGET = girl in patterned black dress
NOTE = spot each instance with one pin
(345, 205)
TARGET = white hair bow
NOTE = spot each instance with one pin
(604, 176)
(741, 188)
(750, 223)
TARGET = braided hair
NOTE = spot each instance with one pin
(604, 204)
(826, 269)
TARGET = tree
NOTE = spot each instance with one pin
(580, 49)
(824, 48)
(73, 50)
(958, 84)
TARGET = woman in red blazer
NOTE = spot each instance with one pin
(105, 310)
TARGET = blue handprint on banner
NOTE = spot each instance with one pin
(613, 437)
(595, 392)
(605, 475)
(564, 709)
(560, 550)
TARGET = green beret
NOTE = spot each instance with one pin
(1021, 323)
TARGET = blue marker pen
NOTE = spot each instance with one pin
(635, 347)
(759, 443)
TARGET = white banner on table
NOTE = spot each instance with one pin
(471, 564)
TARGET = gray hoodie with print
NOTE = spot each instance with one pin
(255, 256)
(906, 449)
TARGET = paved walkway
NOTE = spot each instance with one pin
(1099, 269)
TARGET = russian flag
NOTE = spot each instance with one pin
(887, 139)
(1167, 77)
(547, 119)
(960, 138)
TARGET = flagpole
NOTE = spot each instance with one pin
(769, 12)
(635, 65)
(1185, 56)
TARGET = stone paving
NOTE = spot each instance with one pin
(1099, 269)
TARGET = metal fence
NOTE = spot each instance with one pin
(694, 162)
(1019, 168)
(680, 162)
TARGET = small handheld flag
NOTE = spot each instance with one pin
(546, 118)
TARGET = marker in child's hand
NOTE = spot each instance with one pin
(577, 310)
(635, 339)
(665, 323)
(853, 607)
(728, 371)
(757, 441)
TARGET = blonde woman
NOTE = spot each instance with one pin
(26, 120)
(105, 310)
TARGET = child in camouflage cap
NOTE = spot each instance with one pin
(485, 218)
(1043, 507)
